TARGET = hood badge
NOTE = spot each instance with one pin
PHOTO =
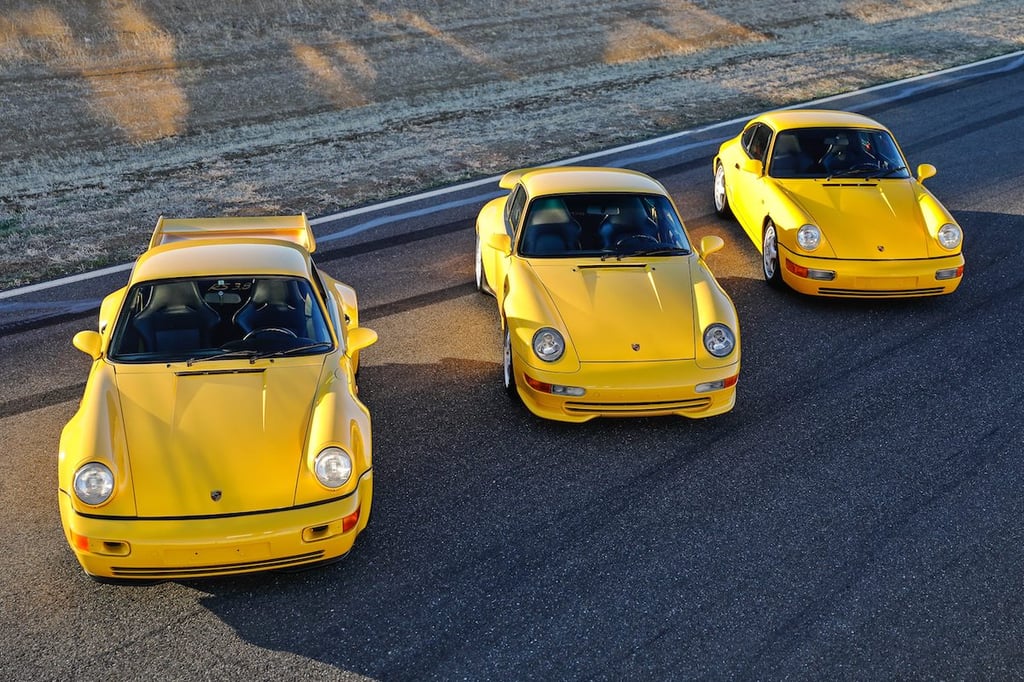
(215, 495)
(635, 346)
(881, 248)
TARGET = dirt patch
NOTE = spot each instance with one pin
(119, 111)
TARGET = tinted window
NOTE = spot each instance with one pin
(174, 320)
(836, 152)
(514, 209)
(577, 225)
(755, 141)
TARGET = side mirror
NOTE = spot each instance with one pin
(500, 242)
(752, 166)
(925, 171)
(360, 338)
(710, 244)
(88, 342)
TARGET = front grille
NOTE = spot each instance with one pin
(659, 407)
(880, 293)
(215, 569)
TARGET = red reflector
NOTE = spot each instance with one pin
(537, 385)
(798, 270)
(960, 271)
(349, 522)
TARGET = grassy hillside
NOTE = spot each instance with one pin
(117, 111)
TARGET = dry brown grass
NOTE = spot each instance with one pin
(115, 112)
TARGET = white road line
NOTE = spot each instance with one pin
(1013, 60)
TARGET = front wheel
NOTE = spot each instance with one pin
(507, 370)
(770, 255)
(481, 276)
(721, 198)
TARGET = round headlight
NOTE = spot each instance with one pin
(719, 340)
(950, 236)
(808, 237)
(94, 483)
(333, 466)
(548, 344)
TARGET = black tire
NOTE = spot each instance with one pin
(770, 256)
(481, 276)
(721, 197)
(508, 375)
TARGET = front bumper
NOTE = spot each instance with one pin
(628, 389)
(871, 278)
(160, 549)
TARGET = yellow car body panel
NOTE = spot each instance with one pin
(879, 226)
(212, 447)
(632, 316)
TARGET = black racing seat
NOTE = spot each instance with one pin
(629, 221)
(175, 319)
(275, 304)
(550, 229)
(788, 159)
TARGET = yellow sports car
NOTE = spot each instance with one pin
(829, 200)
(219, 432)
(607, 308)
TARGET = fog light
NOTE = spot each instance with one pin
(709, 386)
(824, 275)
(951, 273)
(554, 389)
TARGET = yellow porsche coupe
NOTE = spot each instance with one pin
(607, 307)
(828, 198)
(220, 431)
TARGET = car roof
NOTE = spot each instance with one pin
(582, 179)
(816, 118)
(223, 258)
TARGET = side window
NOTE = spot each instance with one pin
(747, 136)
(755, 141)
(514, 209)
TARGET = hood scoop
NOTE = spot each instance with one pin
(849, 184)
(598, 266)
(212, 372)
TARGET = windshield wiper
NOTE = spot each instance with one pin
(662, 251)
(851, 172)
(288, 351)
(226, 354)
(891, 171)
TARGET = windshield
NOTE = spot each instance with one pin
(836, 152)
(196, 319)
(573, 225)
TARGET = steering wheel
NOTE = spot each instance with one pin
(269, 332)
(641, 236)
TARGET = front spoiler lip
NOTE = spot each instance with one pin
(146, 549)
(864, 278)
(665, 392)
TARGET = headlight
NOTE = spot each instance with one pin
(94, 483)
(719, 340)
(333, 467)
(808, 237)
(548, 344)
(950, 236)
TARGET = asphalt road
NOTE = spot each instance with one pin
(857, 516)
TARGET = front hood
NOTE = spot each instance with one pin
(201, 431)
(625, 310)
(864, 220)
